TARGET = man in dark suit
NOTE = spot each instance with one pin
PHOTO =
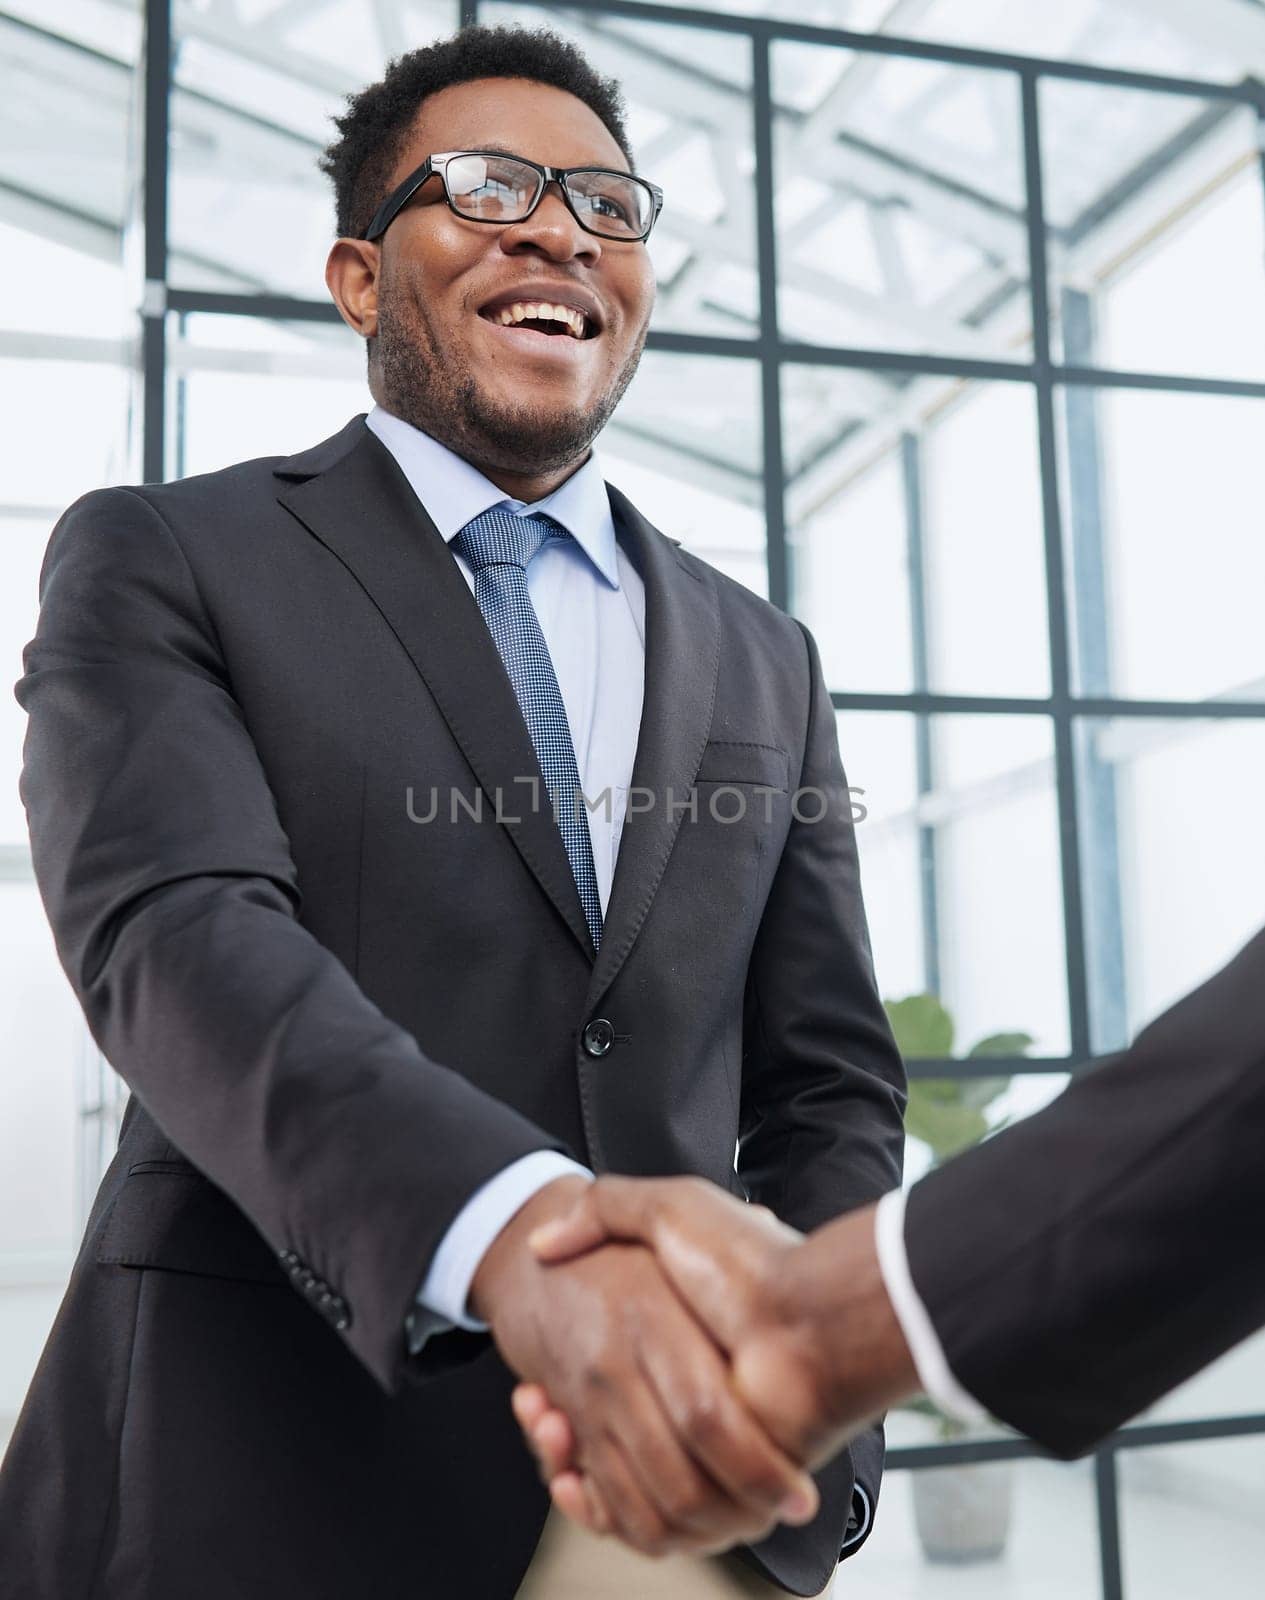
(1061, 1276)
(382, 1011)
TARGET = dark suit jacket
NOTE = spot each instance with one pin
(338, 1022)
(1084, 1262)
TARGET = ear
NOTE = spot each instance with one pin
(351, 276)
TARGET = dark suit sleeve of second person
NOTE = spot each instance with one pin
(1079, 1265)
(823, 1086)
(168, 881)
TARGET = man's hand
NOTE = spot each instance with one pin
(671, 1459)
(817, 1351)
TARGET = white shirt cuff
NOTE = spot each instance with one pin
(454, 1264)
(924, 1344)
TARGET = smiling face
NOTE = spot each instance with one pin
(450, 355)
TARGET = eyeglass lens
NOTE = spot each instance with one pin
(501, 189)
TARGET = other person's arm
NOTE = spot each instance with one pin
(1063, 1275)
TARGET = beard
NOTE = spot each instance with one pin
(440, 394)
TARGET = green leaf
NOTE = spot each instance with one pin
(981, 1092)
(1003, 1044)
(921, 1025)
(947, 1114)
(938, 1115)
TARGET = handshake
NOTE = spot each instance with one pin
(681, 1355)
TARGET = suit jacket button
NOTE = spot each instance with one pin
(598, 1037)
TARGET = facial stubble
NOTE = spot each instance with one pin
(443, 397)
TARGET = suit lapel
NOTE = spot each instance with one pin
(682, 659)
(350, 493)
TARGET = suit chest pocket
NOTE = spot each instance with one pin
(741, 781)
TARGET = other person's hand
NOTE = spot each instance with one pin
(671, 1459)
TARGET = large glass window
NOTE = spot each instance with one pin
(68, 414)
(899, 204)
(914, 524)
(686, 446)
(250, 386)
(958, 839)
(1164, 536)
(1156, 242)
(1175, 856)
(1212, 1490)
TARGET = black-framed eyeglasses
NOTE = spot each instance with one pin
(490, 186)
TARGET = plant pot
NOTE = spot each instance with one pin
(963, 1513)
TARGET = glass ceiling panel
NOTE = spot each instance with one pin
(110, 27)
(1187, 38)
(1154, 210)
(255, 91)
(1101, 144)
(900, 204)
(68, 149)
(65, 118)
(1217, 40)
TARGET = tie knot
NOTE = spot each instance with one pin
(499, 537)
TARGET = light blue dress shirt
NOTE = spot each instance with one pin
(591, 604)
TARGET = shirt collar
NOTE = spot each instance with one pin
(454, 492)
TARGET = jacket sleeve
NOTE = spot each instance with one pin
(823, 1086)
(1079, 1265)
(175, 906)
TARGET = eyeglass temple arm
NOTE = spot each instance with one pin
(384, 216)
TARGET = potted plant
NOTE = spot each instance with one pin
(962, 1513)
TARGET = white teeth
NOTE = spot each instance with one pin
(522, 310)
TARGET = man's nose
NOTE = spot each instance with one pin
(552, 228)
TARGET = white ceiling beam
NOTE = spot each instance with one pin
(22, 346)
(47, 219)
(882, 180)
(922, 325)
(891, 253)
(266, 49)
(857, 76)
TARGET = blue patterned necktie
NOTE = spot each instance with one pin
(498, 545)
